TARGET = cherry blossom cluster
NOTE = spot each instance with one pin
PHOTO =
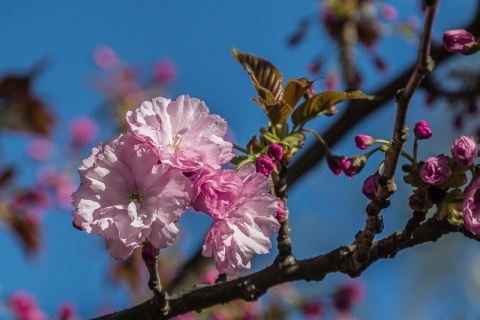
(437, 179)
(136, 187)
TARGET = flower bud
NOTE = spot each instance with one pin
(465, 151)
(280, 211)
(363, 141)
(335, 163)
(275, 152)
(354, 165)
(370, 185)
(460, 41)
(149, 253)
(422, 130)
(435, 170)
(265, 165)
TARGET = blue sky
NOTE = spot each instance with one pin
(198, 35)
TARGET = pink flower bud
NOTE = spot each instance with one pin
(331, 82)
(275, 152)
(335, 163)
(165, 71)
(460, 41)
(363, 141)
(354, 165)
(471, 208)
(280, 211)
(331, 111)
(149, 253)
(370, 186)
(67, 312)
(465, 151)
(422, 130)
(265, 165)
(436, 170)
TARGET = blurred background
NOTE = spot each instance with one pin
(69, 71)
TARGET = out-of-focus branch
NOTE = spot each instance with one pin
(251, 287)
(386, 188)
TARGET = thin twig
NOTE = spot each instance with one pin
(386, 188)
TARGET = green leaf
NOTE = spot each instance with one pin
(295, 89)
(266, 78)
(239, 159)
(321, 102)
(295, 140)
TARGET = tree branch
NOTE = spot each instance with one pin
(253, 286)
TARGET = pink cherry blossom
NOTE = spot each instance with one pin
(471, 208)
(465, 150)
(436, 170)
(126, 196)
(244, 216)
(182, 133)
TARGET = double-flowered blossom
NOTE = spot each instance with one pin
(465, 151)
(436, 170)
(243, 213)
(126, 195)
(471, 208)
(182, 133)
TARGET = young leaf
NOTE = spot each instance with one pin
(295, 90)
(264, 75)
(314, 106)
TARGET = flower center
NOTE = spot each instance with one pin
(136, 196)
(176, 140)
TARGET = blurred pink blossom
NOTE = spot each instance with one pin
(82, 131)
(388, 12)
(40, 149)
(61, 183)
(67, 312)
(165, 71)
(104, 57)
(210, 276)
(465, 150)
(24, 307)
(331, 82)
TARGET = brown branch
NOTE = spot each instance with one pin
(386, 188)
(251, 287)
